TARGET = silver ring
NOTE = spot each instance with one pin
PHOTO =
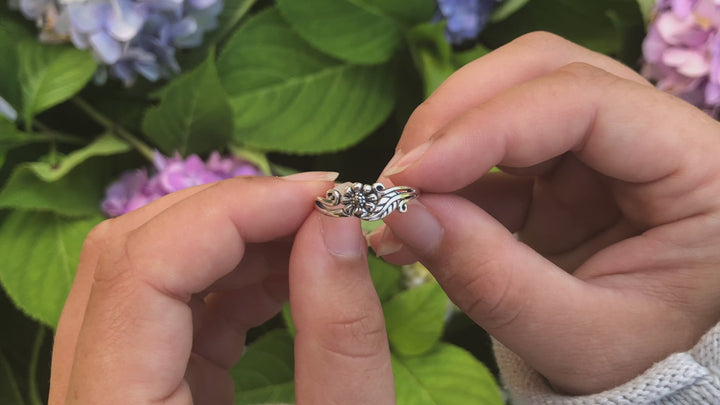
(365, 201)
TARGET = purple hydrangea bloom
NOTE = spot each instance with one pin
(130, 38)
(135, 188)
(465, 18)
(682, 51)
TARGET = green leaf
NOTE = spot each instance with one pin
(194, 115)
(630, 27)
(257, 158)
(105, 145)
(369, 226)
(76, 195)
(432, 55)
(464, 57)
(11, 32)
(33, 389)
(50, 75)
(646, 8)
(386, 277)
(126, 111)
(232, 13)
(448, 375)
(25, 350)
(415, 319)
(11, 137)
(280, 170)
(265, 373)
(506, 8)
(586, 22)
(288, 97)
(229, 17)
(359, 31)
(73, 187)
(287, 318)
(41, 253)
(404, 12)
(9, 388)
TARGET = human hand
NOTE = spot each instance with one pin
(612, 187)
(164, 296)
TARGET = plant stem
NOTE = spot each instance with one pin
(116, 129)
(55, 136)
(33, 392)
(69, 139)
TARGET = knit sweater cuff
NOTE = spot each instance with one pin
(691, 377)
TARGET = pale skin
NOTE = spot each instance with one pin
(164, 296)
(612, 188)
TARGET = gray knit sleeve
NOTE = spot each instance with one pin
(688, 378)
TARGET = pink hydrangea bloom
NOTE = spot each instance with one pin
(682, 51)
(135, 188)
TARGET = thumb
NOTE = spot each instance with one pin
(341, 347)
(515, 294)
(494, 278)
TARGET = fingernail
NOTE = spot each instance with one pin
(387, 243)
(310, 176)
(343, 236)
(398, 164)
(396, 157)
(418, 228)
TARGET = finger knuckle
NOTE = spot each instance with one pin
(114, 259)
(424, 119)
(93, 247)
(96, 242)
(540, 40)
(490, 297)
(582, 78)
(100, 235)
(355, 336)
(583, 71)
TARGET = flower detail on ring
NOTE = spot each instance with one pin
(359, 199)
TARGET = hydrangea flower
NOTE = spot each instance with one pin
(136, 188)
(7, 111)
(128, 37)
(682, 51)
(465, 18)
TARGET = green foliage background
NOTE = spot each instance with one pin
(291, 84)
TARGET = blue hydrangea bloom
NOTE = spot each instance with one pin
(7, 111)
(128, 37)
(465, 18)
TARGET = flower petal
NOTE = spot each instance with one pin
(125, 23)
(87, 17)
(672, 28)
(105, 47)
(201, 4)
(688, 62)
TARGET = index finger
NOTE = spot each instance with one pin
(528, 57)
(136, 332)
(628, 132)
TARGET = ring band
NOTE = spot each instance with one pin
(365, 201)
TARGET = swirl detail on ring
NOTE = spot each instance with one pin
(365, 201)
